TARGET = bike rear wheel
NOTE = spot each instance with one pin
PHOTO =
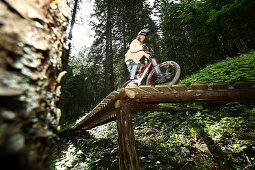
(170, 69)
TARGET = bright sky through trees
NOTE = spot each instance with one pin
(82, 31)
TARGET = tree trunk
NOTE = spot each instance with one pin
(125, 72)
(109, 32)
(106, 76)
(31, 44)
(66, 52)
(109, 77)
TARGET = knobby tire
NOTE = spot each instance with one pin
(174, 68)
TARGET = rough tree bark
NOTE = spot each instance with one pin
(32, 36)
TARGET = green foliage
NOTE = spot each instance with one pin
(81, 88)
(198, 33)
(68, 126)
(231, 70)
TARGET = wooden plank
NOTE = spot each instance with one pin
(222, 85)
(112, 95)
(243, 84)
(179, 87)
(95, 114)
(105, 100)
(99, 114)
(80, 121)
(199, 86)
(96, 106)
(102, 105)
(163, 88)
(227, 95)
(115, 93)
(149, 89)
(95, 109)
(105, 103)
(136, 89)
(93, 122)
(112, 118)
(156, 107)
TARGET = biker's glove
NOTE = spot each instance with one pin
(145, 48)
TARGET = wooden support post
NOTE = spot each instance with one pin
(128, 159)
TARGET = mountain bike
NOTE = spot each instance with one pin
(162, 73)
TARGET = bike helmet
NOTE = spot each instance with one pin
(144, 31)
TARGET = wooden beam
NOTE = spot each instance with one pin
(163, 88)
(110, 119)
(199, 86)
(128, 159)
(97, 121)
(179, 87)
(243, 84)
(149, 89)
(224, 95)
(143, 107)
(220, 85)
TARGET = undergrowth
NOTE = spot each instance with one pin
(240, 68)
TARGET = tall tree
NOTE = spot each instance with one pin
(65, 57)
(197, 33)
(109, 77)
(119, 23)
(31, 41)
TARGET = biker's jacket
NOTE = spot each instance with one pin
(135, 52)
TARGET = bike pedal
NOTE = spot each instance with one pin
(161, 80)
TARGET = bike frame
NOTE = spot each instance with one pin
(140, 76)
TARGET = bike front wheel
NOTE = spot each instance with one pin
(171, 71)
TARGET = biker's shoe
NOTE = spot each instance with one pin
(133, 83)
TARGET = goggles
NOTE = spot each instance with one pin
(143, 34)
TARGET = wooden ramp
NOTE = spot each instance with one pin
(103, 113)
(120, 105)
(147, 98)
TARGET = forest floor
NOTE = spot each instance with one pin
(98, 149)
(215, 136)
(156, 148)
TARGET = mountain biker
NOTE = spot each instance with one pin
(136, 51)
